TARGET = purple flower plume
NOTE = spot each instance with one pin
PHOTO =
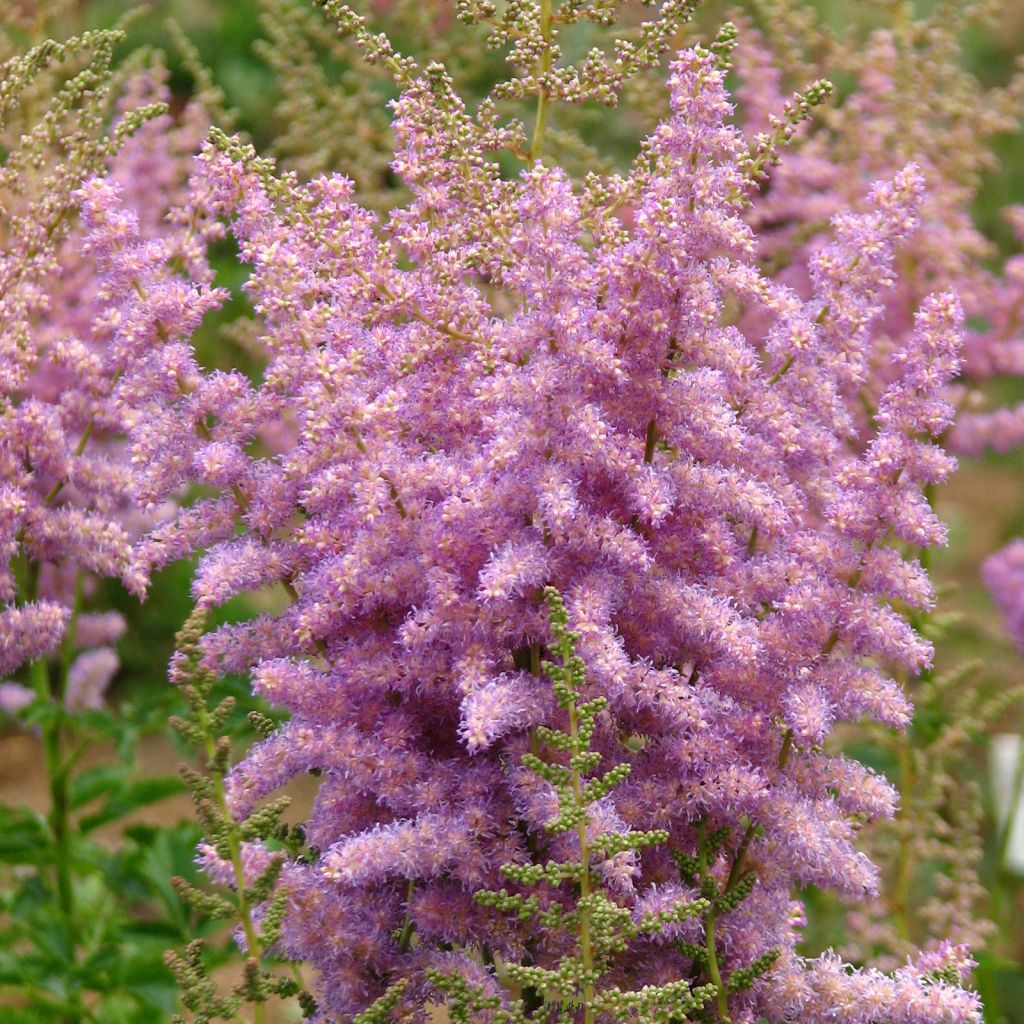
(501, 387)
(73, 350)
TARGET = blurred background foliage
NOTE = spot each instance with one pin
(307, 78)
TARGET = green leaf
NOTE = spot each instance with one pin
(130, 797)
(96, 782)
(24, 837)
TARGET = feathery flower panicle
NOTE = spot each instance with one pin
(913, 100)
(995, 351)
(502, 387)
(884, 123)
(88, 678)
(67, 512)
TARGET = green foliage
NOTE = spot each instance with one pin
(208, 714)
(84, 923)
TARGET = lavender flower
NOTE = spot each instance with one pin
(500, 387)
(67, 509)
(914, 99)
(88, 678)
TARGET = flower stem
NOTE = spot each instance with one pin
(543, 100)
(39, 673)
(651, 441)
(904, 860)
(586, 946)
(721, 995)
(253, 946)
(409, 927)
(57, 773)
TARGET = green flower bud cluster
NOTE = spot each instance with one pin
(744, 977)
(656, 922)
(377, 1012)
(254, 881)
(467, 1002)
(766, 148)
(577, 901)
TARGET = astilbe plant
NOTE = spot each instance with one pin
(911, 99)
(1004, 576)
(884, 121)
(500, 387)
(59, 503)
(68, 519)
(68, 503)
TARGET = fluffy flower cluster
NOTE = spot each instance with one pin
(912, 101)
(501, 387)
(884, 122)
(67, 510)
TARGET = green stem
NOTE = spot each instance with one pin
(651, 442)
(721, 995)
(905, 863)
(535, 668)
(782, 371)
(253, 946)
(57, 770)
(541, 123)
(748, 835)
(58, 817)
(83, 441)
(405, 939)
